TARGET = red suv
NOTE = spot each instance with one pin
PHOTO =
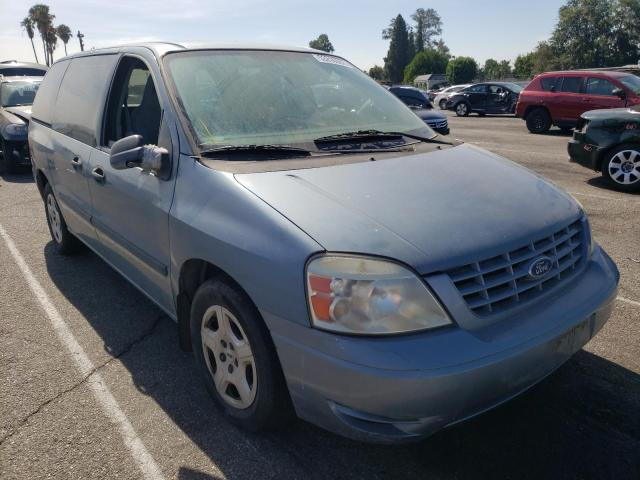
(559, 98)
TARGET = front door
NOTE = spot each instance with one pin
(498, 99)
(131, 206)
(599, 93)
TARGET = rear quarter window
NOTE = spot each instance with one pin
(22, 72)
(549, 84)
(80, 103)
(45, 101)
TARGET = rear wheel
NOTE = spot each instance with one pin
(621, 168)
(462, 109)
(66, 243)
(539, 121)
(235, 354)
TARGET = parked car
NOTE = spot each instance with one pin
(441, 98)
(432, 92)
(339, 262)
(559, 98)
(13, 68)
(16, 98)
(609, 142)
(485, 98)
(417, 100)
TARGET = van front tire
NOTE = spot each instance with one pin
(65, 242)
(235, 354)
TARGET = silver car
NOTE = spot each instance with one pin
(324, 254)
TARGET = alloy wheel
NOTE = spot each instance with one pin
(461, 109)
(624, 167)
(229, 357)
(55, 219)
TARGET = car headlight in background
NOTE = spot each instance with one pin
(16, 129)
(367, 296)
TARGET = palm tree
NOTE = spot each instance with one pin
(64, 33)
(27, 24)
(52, 42)
(43, 20)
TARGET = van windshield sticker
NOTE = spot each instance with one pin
(331, 59)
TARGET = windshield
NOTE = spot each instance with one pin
(245, 97)
(632, 83)
(14, 94)
(514, 87)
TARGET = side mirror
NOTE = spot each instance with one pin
(126, 152)
(620, 93)
(130, 152)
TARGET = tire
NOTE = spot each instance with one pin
(224, 324)
(621, 168)
(65, 242)
(462, 109)
(7, 165)
(443, 104)
(538, 121)
(481, 114)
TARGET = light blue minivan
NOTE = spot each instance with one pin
(324, 253)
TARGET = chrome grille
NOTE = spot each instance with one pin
(439, 123)
(498, 283)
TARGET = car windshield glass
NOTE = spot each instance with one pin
(632, 83)
(14, 94)
(249, 97)
(514, 87)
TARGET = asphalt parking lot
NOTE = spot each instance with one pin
(582, 422)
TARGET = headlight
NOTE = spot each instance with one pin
(367, 296)
(16, 129)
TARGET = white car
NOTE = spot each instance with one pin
(441, 98)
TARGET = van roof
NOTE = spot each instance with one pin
(610, 73)
(161, 48)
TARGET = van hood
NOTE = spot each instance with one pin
(23, 113)
(432, 211)
(617, 114)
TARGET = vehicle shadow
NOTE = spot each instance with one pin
(23, 176)
(600, 183)
(581, 422)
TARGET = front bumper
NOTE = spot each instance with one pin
(17, 151)
(401, 388)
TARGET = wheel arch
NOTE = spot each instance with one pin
(41, 182)
(193, 273)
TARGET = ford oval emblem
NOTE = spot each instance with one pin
(540, 267)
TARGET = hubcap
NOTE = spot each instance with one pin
(54, 218)
(229, 357)
(624, 167)
(462, 109)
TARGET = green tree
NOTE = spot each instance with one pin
(523, 66)
(461, 70)
(64, 33)
(398, 55)
(491, 69)
(419, 37)
(626, 30)
(442, 47)
(52, 42)
(429, 23)
(322, 43)
(27, 24)
(427, 61)
(377, 73)
(504, 69)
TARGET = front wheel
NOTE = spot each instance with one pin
(236, 356)
(621, 168)
(66, 243)
(462, 109)
(443, 104)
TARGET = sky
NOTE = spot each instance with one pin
(488, 29)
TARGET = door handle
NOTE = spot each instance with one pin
(98, 174)
(76, 162)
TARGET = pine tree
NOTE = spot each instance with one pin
(399, 50)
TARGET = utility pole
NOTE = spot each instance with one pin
(80, 37)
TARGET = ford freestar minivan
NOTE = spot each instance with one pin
(322, 250)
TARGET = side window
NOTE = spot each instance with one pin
(549, 84)
(45, 101)
(599, 86)
(413, 101)
(133, 107)
(477, 89)
(79, 106)
(571, 84)
(496, 89)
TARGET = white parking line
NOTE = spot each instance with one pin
(103, 396)
(630, 302)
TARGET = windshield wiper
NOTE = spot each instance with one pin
(267, 150)
(372, 135)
